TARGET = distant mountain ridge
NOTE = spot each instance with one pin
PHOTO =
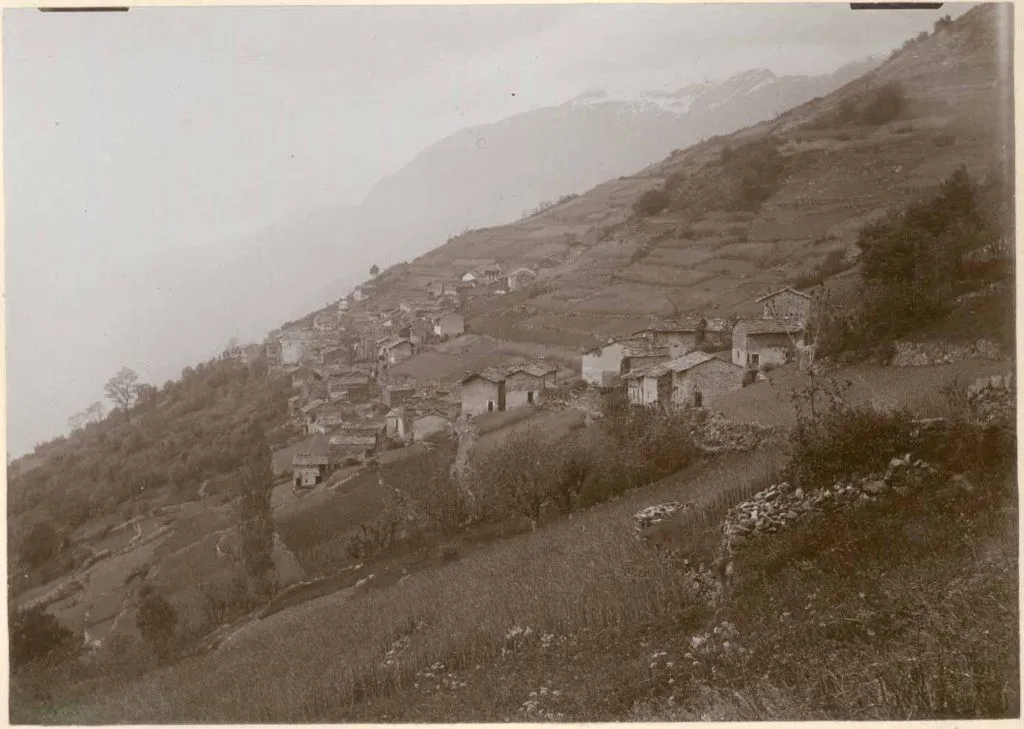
(480, 176)
(492, 173)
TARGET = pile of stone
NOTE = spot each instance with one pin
(994, 398)
(779, 506)
(651, 515)
(718, 434)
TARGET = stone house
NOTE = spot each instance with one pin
(699, 378)
(347, 447)
(343, 306)
(483, 392)
(649, 385)
(311, 464)
(469, 277)
(786, 303)
(603, 366)
(525, 384)
(326, 421)
(679, 336)
(353, 384)
(643, 354)
(450, 324)
(760, 342)
(395, 351)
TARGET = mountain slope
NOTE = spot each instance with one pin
(492, 173)
(841, 163)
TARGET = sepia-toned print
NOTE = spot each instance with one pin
(511, 363)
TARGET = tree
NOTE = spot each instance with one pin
(521, 474)
(36, 635)
(256, 519)
(374, 270)
(121, 389)
(156, 620)
(92, 414)
(40, 544)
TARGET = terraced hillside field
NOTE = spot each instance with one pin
(844, 160)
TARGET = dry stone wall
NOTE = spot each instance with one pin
(922, 354)
(781, 505)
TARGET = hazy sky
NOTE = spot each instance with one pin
(129, 134)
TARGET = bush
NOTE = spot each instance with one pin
(40, 544)
(517, 477)
(35, 636)
(834, 440)
(757, 168)
(156, 621)
(884, 104)
(651, 202)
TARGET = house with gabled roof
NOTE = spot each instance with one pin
(649, 385)
(525, 383)
(760, 342)
(680, 335)
(699, 378)
(483, 392)
(395, 351)
(603, 366)
(693, 380)
(785, 303)
(311, 463)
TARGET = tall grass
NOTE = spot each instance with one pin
(323, 656)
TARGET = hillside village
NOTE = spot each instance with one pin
(731, 438)
(357, 393)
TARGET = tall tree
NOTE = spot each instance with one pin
(256, 519)
(374, 270)
(122, 388)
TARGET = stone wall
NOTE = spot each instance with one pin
(920, 354)
(781, 505)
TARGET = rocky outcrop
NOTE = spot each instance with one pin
(922, 354)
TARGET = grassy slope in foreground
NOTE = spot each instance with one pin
(904, 609)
